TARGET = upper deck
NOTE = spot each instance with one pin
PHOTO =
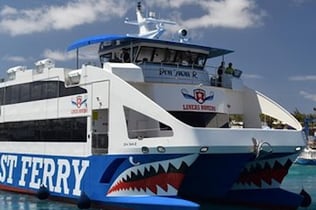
(161, 60)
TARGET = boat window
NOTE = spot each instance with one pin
(51, 130)
(178, 57)
(38, 90)
(190, 59)
(159, 55)
(141, 126)
(203, 119)
(106, 58)
(68, 91)
(119, 55)
(52, 89)
(2, 96)
(134, 52)
(200, 60)
(145, 54)
(125, 55)
(12, 94)
(25, 92)
(170, 56)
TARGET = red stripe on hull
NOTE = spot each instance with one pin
(16, 189)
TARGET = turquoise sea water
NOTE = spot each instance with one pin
(299, 177)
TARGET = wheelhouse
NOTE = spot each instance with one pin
(160, 60)
(163, 52)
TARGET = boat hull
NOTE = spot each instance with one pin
(259, 184)
(129, 181)
(212, 176)
(171, 181)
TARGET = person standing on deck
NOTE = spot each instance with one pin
(229, 69)
(220, 72)
(125, 56)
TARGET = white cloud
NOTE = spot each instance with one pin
(309, 96)
(19, 59)
(216, 13)
(74, 13)
(225, 13)
(171, 3)
(303, 78)
(58, 55)
(229, 13)
(8, 11)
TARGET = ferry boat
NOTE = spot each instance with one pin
(307, 157)
(148, 128)
(308, 154)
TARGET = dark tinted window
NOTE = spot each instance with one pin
(52, 89)
(64, 91)
(38, 90)
(12, 94)
(25, 93)
(2, 96)
(64, 130)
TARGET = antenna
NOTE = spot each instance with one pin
(144, 24)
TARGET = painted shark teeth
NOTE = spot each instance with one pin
(135, 180)
(264, 173)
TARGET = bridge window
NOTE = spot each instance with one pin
(145, 54)
(171, 56)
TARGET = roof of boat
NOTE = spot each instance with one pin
(213, 52)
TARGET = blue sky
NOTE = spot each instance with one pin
(273, 41)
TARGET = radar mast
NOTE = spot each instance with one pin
(144, 24)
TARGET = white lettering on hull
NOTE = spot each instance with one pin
(48, 173)
(26, 162)
(32, 172)
(79, 174)
(36, 165)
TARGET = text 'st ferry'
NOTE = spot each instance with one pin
(147, 129)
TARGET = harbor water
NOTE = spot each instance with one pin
(299, 177)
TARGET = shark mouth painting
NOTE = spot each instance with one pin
(265, 173)
(154, 178)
